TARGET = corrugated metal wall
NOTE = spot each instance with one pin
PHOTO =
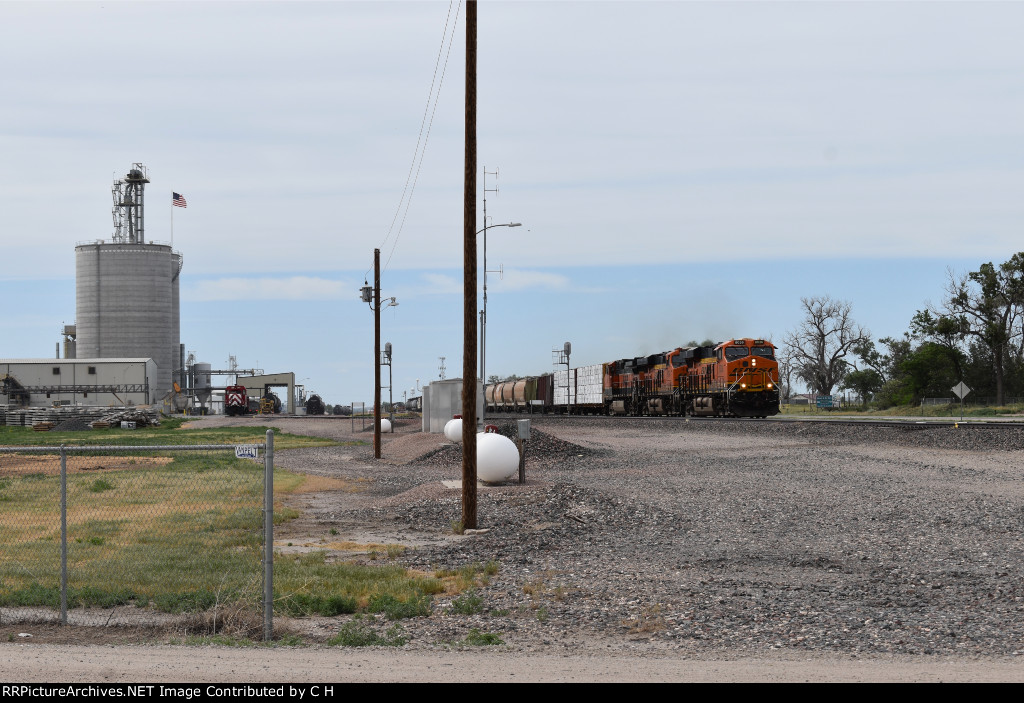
(127, 304)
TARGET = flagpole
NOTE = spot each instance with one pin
(172, 221)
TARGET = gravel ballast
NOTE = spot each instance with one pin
(702, 537)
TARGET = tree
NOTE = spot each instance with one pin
(863, 382)
(945, 332)
(786, 371)
(819, 346)
(875, 369)
(987, 305)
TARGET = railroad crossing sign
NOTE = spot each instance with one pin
(961, 390)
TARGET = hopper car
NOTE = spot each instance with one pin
(736, 378)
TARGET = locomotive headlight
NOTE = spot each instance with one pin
(753, 362)
(743, 385)
(769, 385)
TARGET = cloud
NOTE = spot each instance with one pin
(292, 288)
(440, 284)
(520, 279)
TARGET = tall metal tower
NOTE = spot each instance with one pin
(129, 206)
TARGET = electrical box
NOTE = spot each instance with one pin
(524, 428)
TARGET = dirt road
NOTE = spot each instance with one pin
(138, 664)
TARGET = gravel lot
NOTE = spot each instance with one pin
(688, 541)
(703, 537)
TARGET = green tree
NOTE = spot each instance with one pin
(986, 305)
(863, 382)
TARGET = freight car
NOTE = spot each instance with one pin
(414, 405)
(737, 378)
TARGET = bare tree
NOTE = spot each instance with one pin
(786, 371)
(819, 346)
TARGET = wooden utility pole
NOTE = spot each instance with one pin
(469, 282)
(376, 353)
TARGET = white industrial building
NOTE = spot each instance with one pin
(79, 382)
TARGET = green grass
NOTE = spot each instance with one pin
(309, 584)
(169, 432)
(179, 534)
(170, 535)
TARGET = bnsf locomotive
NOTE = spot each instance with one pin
(737, 378)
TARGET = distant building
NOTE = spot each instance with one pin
(85, 382)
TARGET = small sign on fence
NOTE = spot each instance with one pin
(127, 424)
(247, 451)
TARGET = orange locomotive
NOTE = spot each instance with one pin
(738, 377)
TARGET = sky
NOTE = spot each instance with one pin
(681, 170)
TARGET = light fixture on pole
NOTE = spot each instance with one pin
(483, 317)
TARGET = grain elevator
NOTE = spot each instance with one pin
(126, 289)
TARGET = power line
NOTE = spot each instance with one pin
(418, 154)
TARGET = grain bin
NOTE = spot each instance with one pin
(127, 304)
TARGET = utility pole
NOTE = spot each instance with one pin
(469, 282)
(372, 296)
(376, 353)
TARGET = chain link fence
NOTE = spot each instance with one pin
(136, 535)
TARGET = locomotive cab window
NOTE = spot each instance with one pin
(733, 353)
(765, 352)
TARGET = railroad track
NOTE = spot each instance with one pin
(906, 422)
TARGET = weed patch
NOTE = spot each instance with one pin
(475, 638)
(305, 604)
(394, 609)
(100, 485)
(468, 604)
(359, 632)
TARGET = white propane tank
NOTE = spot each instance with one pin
(497, 458)
(385, 425)
(453, 430)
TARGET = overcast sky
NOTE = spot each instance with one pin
(682, 169)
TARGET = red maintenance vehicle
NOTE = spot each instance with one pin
(236, 401)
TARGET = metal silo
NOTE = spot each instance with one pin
(127, 290)
(202, 382)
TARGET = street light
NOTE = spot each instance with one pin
(483, 318)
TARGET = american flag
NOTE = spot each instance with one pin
(178, 199)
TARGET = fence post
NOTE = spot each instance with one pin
(63, 536)
(268, 538)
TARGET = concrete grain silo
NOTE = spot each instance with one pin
(127, 290)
